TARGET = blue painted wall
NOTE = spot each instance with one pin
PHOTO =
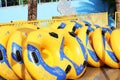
(47, 10)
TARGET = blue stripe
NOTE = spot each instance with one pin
(92, 53)
(104, 39)
(110, 31)
(62, 25)
(97, 26)
(79, 68)
(77, 25)
(111, 54)
(56, 71)
(16, 47)
(82, 48)
(2, 48)
(87, 39)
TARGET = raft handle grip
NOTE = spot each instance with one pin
(72, 34)
(53, 34)
(68, 68)
(85, 63)
(18, 56)
(35, 57)
(1, 56)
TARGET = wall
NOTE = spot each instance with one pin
(47, 10)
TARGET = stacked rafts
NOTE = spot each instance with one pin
(57, 52)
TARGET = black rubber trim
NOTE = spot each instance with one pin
(103, 33)
(59, 27)
(88, 31)
(18, 56)
(86, 25)
(35, 57)
(112, 28)
(72, 34)
(53, 34)
(68, 68)
(1, 56)
(38, 28)
(85, 63)
(74, 29)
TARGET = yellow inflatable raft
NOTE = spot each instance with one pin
(103, 49)
(15, 50)
(5, 68)
(115, 42)
(41, 56)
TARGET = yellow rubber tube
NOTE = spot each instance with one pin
(5, 69)
(74, 50)
(115, 41)
(15, 49)
(93, 59)
(103, 49)
(41, 56)
(57, 52)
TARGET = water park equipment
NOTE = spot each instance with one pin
(5, 68)
(65, 63)
(75, 51)
(114, 41)
(15, 50)
(84, 34)
(38, 58)
(102, 48)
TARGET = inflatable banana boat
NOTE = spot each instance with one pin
(84, 34)
(15, 49)
(5, 68)
(101, 37)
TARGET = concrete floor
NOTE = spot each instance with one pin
(104, 73)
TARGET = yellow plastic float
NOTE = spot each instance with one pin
(75, 52)
(15, 50)
(56, 56)
(74, 49)
(41, 56)
(84, 34)
(115, 42)
(103, 50)
(5, 68)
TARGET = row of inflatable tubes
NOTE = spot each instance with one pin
(59, 51)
